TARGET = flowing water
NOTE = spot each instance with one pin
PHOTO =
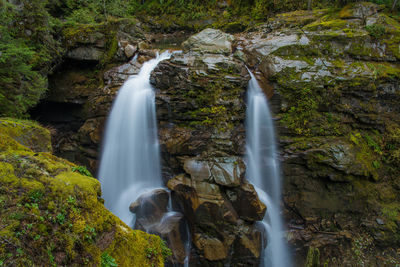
(130, 162)
(264, 173)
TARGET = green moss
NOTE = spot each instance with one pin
(312, 259)
(325, 23)
(81, 33)
(54, 216)
(368, 153)
(208, 99)
(27, 133)
(305, 99)
(112, 48)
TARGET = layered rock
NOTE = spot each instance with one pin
(82, 89)
(201, 109)
(335, 80)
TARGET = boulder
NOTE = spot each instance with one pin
(246, 202)
(204, 201)
(150, 208)
(250, 244)
(119, 74)
(213, 248)
(130, 50)
(228, 171)
(210, 41)
(223, 171)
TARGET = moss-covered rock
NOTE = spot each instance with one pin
(336, 88)
(103, 42)
(51, 215)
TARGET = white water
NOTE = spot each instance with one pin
(263, 172)
(130, 161)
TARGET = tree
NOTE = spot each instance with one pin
(394, 4)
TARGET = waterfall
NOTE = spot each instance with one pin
(130, 161)
(264, 173)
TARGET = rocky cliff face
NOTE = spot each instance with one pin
(333, 80)
(82, 88)
(201, 109)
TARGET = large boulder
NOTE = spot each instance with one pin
(150, 208)
(210, 41)
(223, 171)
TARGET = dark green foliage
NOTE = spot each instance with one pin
(20, 86)
(27, 49)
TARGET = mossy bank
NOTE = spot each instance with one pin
(52, 215)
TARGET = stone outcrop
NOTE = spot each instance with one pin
(201, 109)
(81, 93)
(335, 81)
(210, 41)
(114, 40)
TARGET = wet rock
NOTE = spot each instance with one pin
(150, 208)
(250, 244)
(198, 170)
(152, 216)
(203, 101)
(172, 229)
(205, 202)
(228, 171)
(92, 131)
(119, 74)
(210, 41)
(223, 171)
(213, 248)
(201, 108)
(246, 202)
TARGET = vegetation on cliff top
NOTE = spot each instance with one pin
(53, 215)
(30, 32)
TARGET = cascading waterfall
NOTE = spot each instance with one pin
(263, 172)
(130, 162)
